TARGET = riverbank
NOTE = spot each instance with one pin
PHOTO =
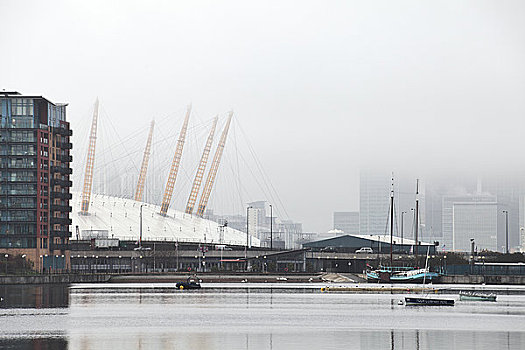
(53, 279)
(239, 278)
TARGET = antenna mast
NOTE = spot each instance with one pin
(213, 170)
(175, 166)
(391, 222)
(144, 167)
(200, 172)
(88, 175)
(417, 221)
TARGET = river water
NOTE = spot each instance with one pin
(248, 316)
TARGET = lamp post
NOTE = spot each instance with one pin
(140, 227)
(506, 212)
(271, 227)
(6, 258)
(247, 236)
(402, 225)
(176, 256)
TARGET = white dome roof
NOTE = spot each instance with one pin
(121, 218)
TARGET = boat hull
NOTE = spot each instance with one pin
(188, 285)
(410, 301)
(429, 277)
(467, 297)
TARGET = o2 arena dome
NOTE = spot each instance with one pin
(120, 219)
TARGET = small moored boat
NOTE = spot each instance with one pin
(191, 283)
(410, 301)
(477, 296)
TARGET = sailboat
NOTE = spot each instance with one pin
(392, 274)
(425, 301)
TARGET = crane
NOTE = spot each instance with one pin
(200, 171)
(144, 167)
(175, 165)
(88, 175)
(213, 170)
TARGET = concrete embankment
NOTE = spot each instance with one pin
(53, 279)
(239, 277)
(218, 278)
(478, 279)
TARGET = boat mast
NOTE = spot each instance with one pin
(417, 222)
(391, 221)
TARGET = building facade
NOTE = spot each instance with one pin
(469, 216)
(35, 180)
(475, 221)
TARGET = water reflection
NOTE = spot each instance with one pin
(36, 296)
(34, 343)
(161, 317)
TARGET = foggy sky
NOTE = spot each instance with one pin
(323, 89)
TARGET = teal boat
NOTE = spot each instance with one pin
(476, 296)
(397, 274)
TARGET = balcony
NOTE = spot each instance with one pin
(64, 158)
(59, 246)
(61, 221)
(63, 131)
(65, 145)
(59, 233)
(61, 208)
(60, 182)
(61, 170)
(61, 195)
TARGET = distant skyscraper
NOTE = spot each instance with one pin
(347, 221)
(374, 202)
(470, 216)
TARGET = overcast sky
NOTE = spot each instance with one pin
(321, 88)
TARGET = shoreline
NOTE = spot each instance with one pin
(242, 278)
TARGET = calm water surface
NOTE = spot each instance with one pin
(247, 316)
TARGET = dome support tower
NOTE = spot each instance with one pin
(175, 166)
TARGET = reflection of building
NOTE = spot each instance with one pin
(34, 189)
(348, 222)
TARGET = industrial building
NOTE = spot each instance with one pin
(377, 243)
(35, 184)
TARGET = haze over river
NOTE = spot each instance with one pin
(249, 316)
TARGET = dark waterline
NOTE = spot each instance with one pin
(159, 317)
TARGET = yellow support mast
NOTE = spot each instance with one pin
(144, 168)
(88, 175)
(213, 170)
(200, 172)
(175, 166)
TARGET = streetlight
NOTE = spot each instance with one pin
(506, 212)
(6, 258)
(177, 256)
(271, 227)
(140, 227)
(402, 225)
(247, 235)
